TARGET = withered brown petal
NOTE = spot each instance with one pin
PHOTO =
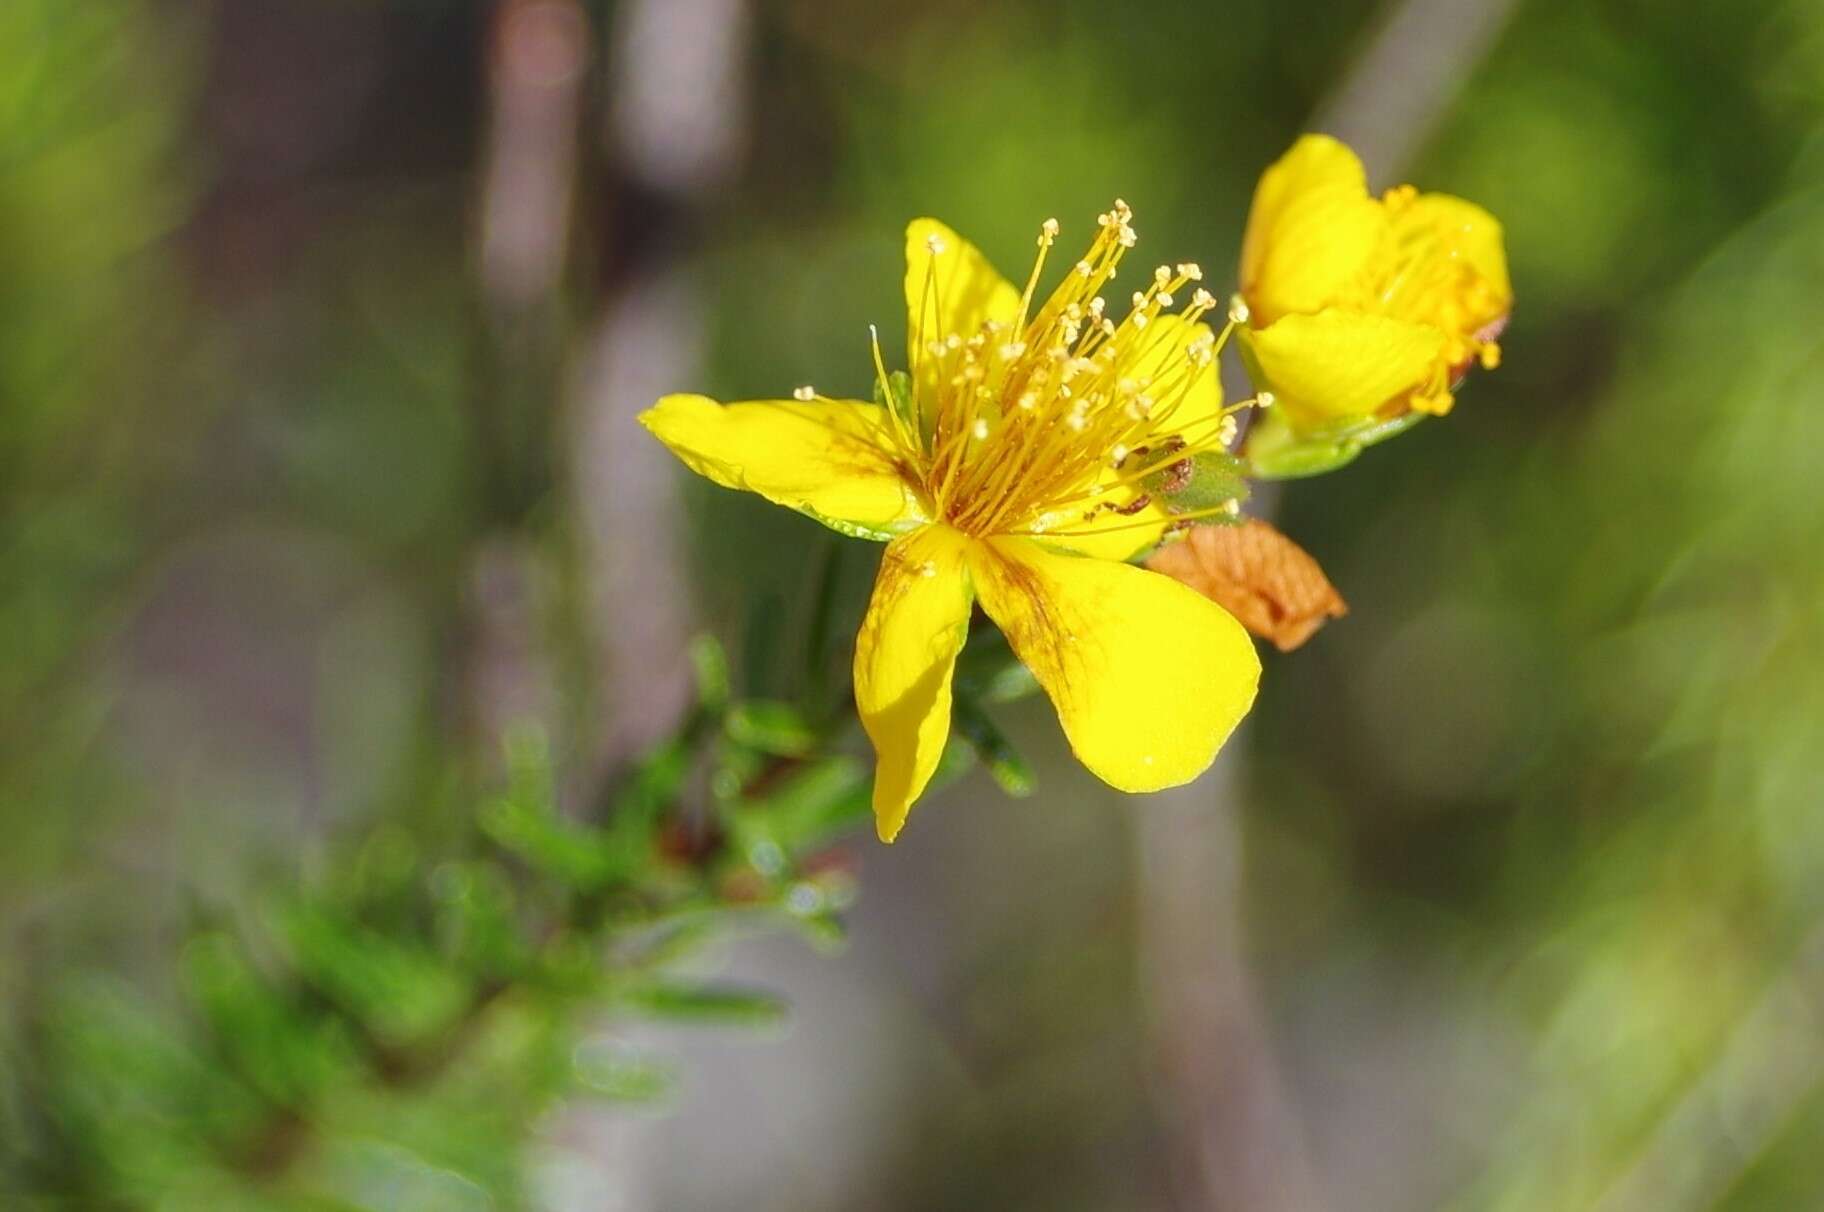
(1268, 582)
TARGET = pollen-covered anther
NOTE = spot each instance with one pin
(1238, 310)
(980, 429)
(934, 244)
(1202, 299)
(1048, 231)
(1190, 271)
(1165, 298)
(807, 392)
(1162, 276)
(1264, 400)
(1085, 269)
(1118, 455)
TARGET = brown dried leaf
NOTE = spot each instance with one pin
(1268, 582)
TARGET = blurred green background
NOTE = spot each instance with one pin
(322, 325)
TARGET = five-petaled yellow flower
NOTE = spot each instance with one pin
(1361, 307)
(1010, 473)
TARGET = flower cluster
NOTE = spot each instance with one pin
(1038, 441)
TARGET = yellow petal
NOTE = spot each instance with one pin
(1311, 230)
(833, 460)
(904, 657)
(1466, 230)
(950, 288)
(1149, 678)
(1342, 364)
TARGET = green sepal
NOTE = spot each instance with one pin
(1276, 451)
(1214, 477)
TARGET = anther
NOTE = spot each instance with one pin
(807, 392)
(1238, 309)
(934, 243)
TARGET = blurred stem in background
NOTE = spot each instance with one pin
(1234, 1126)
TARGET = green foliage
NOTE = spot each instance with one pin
(329, 1045)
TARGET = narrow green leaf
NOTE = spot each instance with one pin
(622, 1072)
(706, 1004)
(578, 856)
(1005, 763)
(771, 727)
(710, 663)
(808, 808)
(401, 991)
(284, 1054)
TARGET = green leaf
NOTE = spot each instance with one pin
(706, 1004)
(475, 923)
(771, 727)
(653, 787)
(623, 1072)
(134, 1091)
(399, 990)
(805, 810)
(579, 857)
(281, 1052)
(1005, 764)
(989, 672)
(709, 662)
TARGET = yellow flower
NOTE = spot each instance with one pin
(1361, 308)
(1007, 469)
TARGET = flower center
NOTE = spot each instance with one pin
(1051, 417)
